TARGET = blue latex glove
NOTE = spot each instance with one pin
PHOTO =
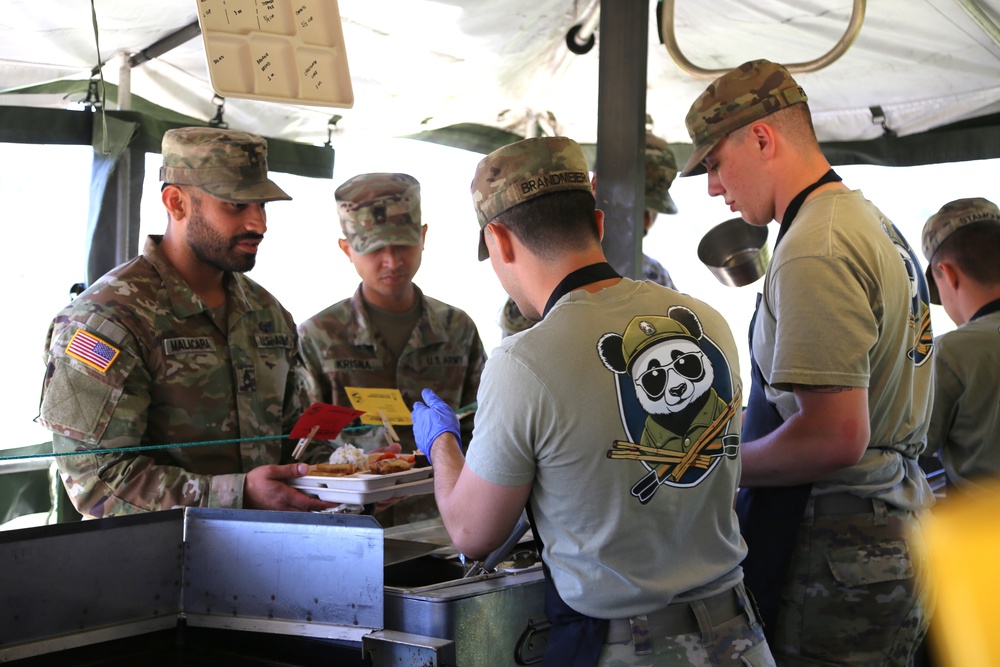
(432, 418)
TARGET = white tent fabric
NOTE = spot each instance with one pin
(422, 64)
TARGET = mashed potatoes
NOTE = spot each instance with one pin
(350, 454)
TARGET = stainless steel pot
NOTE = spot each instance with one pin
(735, 252)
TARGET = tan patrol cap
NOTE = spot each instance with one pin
(227, 164)
(750, 92)
(949, 219)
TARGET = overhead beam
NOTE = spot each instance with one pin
(168, 43)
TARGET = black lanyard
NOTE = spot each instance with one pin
(991, 307)
(577, 279)
(796, 203)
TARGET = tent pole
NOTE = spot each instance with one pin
(621, 131)
(123, 168)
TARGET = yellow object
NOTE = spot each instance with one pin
(375, 401)
(962, 536)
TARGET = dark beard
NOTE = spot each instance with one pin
(212, 249)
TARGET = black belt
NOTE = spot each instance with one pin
(677, 618)
(841, 503)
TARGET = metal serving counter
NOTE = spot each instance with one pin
(203, 586)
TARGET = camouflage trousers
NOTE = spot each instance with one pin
(857, 591)
(738, 642)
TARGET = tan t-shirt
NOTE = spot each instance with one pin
(841, 306)
(584, 406)
(965, 424)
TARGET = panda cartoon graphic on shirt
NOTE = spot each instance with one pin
(920, 298)
(676, 393)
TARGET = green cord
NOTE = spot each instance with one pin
(143, 448)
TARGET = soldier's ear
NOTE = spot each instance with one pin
(761, 137)
(948, 272)
(498, 238)
(346, 248)
(176, 201)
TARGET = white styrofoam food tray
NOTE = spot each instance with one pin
(360, 489)
(277, 50)
(363, 481)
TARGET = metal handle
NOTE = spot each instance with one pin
(669, 39)
(501, 552)
(491, 561)
(530, 648)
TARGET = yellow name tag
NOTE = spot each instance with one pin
(371, 401)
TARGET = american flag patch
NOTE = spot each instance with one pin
(91, 350)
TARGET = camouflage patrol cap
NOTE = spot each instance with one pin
(647, 330)
(750, 92)
(512, 320)
(378, 210)
(661, 169)
(949, 219)
(523, 170)
(227, 164)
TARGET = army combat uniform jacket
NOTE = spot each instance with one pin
(138, 359)
(444, 353)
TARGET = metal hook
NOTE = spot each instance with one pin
(331, 127)
(580, 39)
(878, 116)
(93, 99)
(219, 103)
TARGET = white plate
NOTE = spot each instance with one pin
(357, 497)
(362, 481)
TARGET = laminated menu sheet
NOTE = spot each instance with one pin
(277, 50)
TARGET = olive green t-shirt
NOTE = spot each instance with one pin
(841, 306)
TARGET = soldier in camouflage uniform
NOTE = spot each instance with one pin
(178, 346)
(661, 169)
(389, 334)
(831, 492)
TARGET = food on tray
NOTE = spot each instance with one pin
(387, 466)
(347, 460)
(332, 469)
(350, 454)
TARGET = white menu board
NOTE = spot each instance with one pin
(277, 50)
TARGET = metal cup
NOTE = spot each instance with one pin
(735, 252)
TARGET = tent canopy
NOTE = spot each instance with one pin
(467, 72)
